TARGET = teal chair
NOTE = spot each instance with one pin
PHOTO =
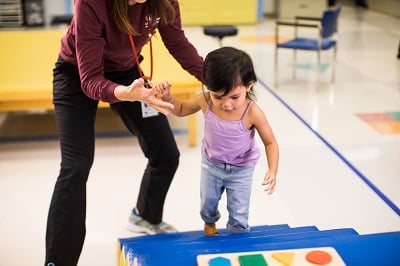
(326, 29)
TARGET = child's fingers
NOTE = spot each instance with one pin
(165, 85)
(269, 185)
(270, 189)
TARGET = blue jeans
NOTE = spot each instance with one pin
(237, 181)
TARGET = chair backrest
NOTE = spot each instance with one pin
(329, 22)
(338, 9)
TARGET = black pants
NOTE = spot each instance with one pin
(75, 117)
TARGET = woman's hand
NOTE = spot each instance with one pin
(137, 92)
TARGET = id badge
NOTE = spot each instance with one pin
(148, 111)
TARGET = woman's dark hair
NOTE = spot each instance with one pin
(162, 9)
(226, 68)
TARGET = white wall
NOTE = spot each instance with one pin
(60, 7)
(390, 7)
(56, 7)
(269, 7)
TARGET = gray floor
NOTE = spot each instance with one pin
(336, 170)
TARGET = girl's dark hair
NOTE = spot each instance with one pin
(162, 9)
(226, 68)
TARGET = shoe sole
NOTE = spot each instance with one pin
(139, 229)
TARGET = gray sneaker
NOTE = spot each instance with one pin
(166, 228)
(139, 225)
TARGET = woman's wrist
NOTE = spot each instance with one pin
(122, 92)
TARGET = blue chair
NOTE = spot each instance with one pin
(325, 38)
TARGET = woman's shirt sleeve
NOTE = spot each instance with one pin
(90, 45)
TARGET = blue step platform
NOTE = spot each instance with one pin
(182, 248)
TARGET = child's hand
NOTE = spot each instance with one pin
(164, 91)
(269, 182)
(138, 92)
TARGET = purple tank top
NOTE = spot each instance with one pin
(229, 141)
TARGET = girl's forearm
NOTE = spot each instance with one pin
(272, 152)
(177, 106)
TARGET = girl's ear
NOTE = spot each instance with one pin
(250, 86)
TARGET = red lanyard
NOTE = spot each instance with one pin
(137, 60)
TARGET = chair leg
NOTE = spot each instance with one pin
(276, 67)
(398, 52)
(334, 65)
(318, 64)
(294, 63)
(220, 42)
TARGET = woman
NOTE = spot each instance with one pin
(99, 61)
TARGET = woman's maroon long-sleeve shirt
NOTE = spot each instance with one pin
(94, 43)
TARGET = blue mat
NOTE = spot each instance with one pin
(182, 248)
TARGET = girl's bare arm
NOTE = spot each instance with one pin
(267, 136)
(181, 108)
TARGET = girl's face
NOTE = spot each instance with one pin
(133, 2)
(232, 101)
